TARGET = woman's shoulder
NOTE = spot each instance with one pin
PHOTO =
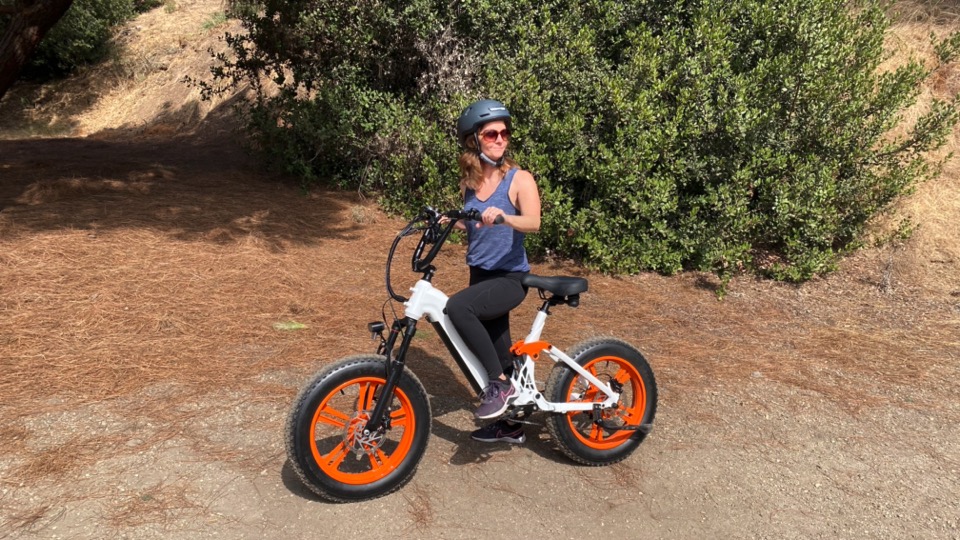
(522, 177)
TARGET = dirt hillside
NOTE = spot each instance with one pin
(151, 270)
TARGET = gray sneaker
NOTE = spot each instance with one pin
(500, 431)
(495, 398)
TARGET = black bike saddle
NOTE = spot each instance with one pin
(558, 285)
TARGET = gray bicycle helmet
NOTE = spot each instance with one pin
(478, 114)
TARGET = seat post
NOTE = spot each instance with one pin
(538, 323)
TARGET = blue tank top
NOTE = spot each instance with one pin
(499, 247)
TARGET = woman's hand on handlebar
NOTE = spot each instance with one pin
(491, 216)
(459, 225)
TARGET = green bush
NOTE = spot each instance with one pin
(82, 35)
(720, 135)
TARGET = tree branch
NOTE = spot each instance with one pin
(30, 21)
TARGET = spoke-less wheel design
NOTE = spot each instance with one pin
(326, 442)
(610, 436)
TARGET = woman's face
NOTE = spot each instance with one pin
(494, 139)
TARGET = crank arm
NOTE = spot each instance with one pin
(519, 416)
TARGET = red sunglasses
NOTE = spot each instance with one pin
(491, 135)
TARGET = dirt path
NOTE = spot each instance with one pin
(145, 384)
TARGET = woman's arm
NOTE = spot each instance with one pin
(526, 197)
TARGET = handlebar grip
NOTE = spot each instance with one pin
(473, 215)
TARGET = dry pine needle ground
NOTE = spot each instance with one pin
(146, 279)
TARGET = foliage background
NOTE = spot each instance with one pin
(728, 136)
(81, 37)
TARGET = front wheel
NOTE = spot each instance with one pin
(325, 440)
(610, 436)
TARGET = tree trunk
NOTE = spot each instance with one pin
(30, 21)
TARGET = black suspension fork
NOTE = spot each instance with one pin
(406, 327)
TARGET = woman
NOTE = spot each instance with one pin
(493, 184)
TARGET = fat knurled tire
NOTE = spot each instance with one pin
(336, 381)
(594, 449)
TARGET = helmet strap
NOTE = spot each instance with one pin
(488, 161)
(483, 157)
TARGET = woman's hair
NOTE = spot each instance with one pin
(471, 170)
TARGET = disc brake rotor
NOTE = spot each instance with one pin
(356, 441)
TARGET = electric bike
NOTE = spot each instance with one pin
(359, 428)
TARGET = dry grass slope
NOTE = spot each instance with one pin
(931, 257)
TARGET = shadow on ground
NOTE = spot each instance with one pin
(195, 184)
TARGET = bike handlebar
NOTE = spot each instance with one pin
(470, 215)
(433, 233)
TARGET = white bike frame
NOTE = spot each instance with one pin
(428, 301)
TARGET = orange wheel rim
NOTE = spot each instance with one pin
(631, 413)
(351, 458)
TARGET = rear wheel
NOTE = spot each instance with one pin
(325, 440)
(613, 434)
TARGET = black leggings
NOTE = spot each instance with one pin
(481, 315)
